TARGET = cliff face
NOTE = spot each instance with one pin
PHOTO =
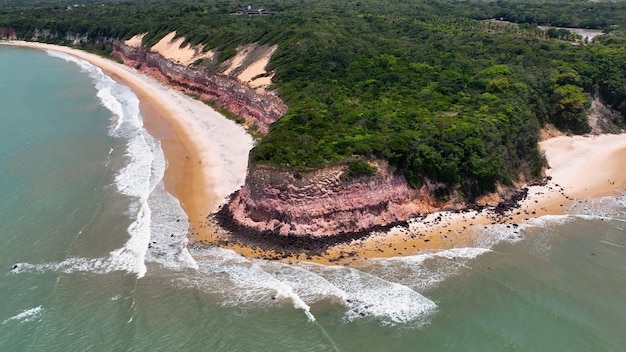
(322, 202)
(257, 107)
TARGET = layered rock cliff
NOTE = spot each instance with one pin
(324, 202)
(318, 202)
(275, 201)
(258, 108)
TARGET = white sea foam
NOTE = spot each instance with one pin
(241, 281)
(367, 295)
(490, 235)
(140, 179)
(310, 286)
(72, 265)
(606, 208)
(620, 201)
(548, 220)
(104, 85)
(134, 180)
(26, 315)
(169, 228)
(423, 271)
(602, 218)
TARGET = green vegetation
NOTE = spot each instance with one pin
(359, 168)
(426, 85)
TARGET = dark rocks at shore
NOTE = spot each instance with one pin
(512, 203)
(287, 245)
(292, 244)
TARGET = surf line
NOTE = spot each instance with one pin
(613, 244)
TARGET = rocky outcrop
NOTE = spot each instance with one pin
(603, 119)
(322, 202)
(258, 108)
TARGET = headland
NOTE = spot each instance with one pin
(580, 168)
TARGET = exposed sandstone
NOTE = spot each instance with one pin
(248, 66)
(321, 202)
(603, 119)
(258, 108)
(136, 40)
(171, 48)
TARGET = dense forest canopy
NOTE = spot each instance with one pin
(427, 85)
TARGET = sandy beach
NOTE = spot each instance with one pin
(207, 159)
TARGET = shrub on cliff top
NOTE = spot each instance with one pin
(358, 169)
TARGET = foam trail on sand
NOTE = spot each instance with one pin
(487, 236)
(26, 315)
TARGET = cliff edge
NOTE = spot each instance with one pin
(238, 85)
(327, 202)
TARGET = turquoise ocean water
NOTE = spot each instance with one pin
(94, 258)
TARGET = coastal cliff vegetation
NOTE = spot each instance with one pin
(429, 86)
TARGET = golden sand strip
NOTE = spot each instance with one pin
(581, 168)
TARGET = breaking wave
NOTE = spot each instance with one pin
(26, 315)
(237, 281)
(156, 238)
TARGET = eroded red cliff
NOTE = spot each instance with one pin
(322, 202)
(258, 108)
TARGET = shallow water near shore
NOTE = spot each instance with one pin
(94, 254)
